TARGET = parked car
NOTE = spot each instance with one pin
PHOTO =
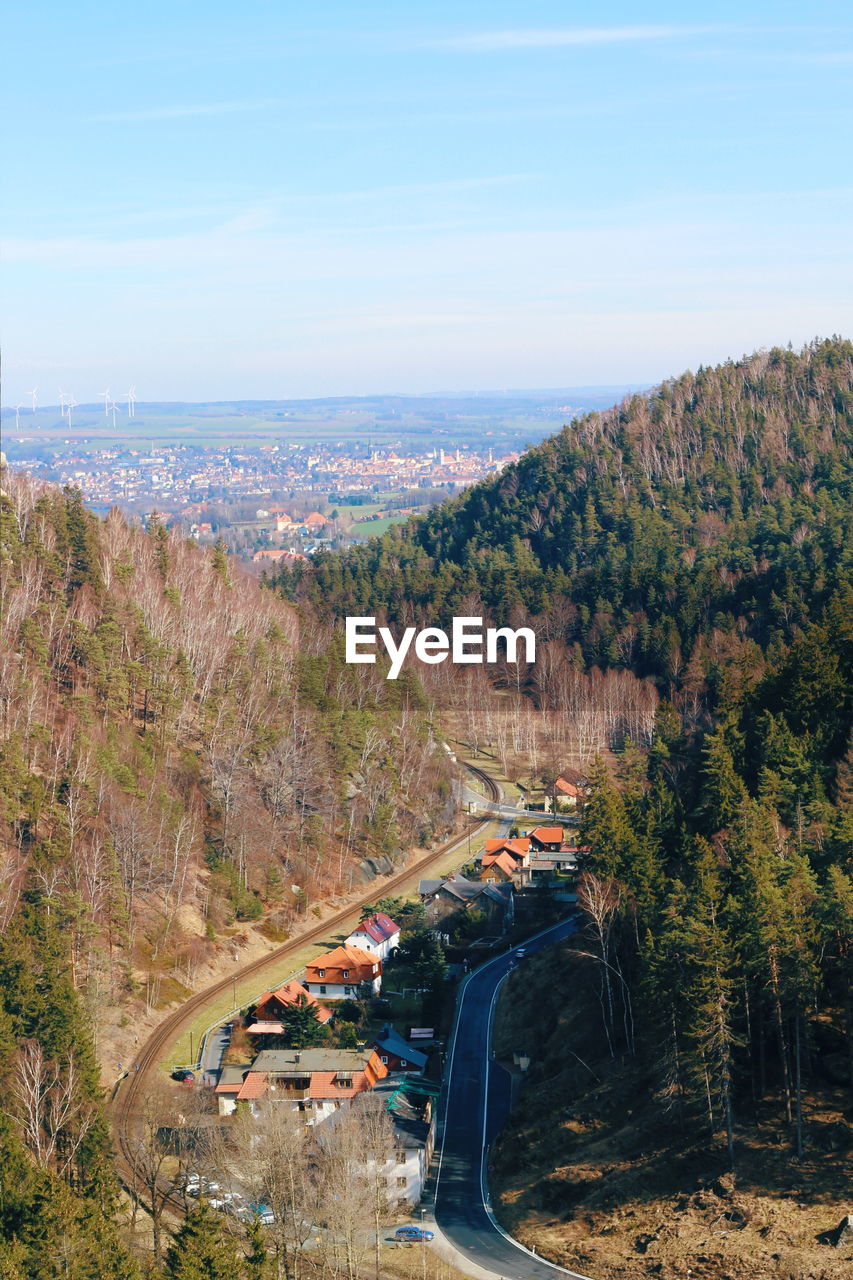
(521, 952)
(262, 1212)
(411, 1232)
(183, 1075)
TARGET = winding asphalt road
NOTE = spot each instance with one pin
(474, 1106)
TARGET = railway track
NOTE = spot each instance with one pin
(491, 785)
(133, 1088)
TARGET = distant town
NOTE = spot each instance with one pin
(276, 501)
(276, 481)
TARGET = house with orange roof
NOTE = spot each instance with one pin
(345, 973)
(273, 1005)
(518, 847)
(314, 520)
(503, 858)
(313, 1082)
(498, 868)
(566, 794)
(546, 839)
(569, 789)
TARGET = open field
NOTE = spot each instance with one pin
(373, 528)
(504, 421)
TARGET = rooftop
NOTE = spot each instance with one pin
(305, 1061)
(390, 1041)
(379, 927)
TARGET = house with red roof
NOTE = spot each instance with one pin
(314, 1082)
(378, 935)
(518, 847)
(546, 839)
(345, 973)
(566, 794)
(498, 868)
(503, 858)
(272, 1006)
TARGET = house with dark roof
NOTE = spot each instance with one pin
(556, 869)
(395, 1053)
(413, 1118)
(447, 901)
(378, 934)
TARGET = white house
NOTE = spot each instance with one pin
(378, 934)
(347, 973)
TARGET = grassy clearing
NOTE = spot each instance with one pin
(416, 1262)
(373, 528)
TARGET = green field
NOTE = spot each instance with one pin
(503, 422)
(372, 528)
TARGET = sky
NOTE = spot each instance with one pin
(275, 200)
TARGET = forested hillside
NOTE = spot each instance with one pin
(180, 755)
(690, 1105)
(700, 538)
(669, 535)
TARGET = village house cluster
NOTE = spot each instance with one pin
(320, 1080)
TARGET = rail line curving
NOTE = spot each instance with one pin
(132, 1089)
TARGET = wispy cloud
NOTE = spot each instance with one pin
(563, 37)
(182, 111)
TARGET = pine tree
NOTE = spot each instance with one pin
(606, 827)
(723, 789)
(709, 974)
(200, 1251)
(300, 1025)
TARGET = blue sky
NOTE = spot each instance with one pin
(279, 199)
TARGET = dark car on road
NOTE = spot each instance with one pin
(413, 1233)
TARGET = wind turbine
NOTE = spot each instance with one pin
(113, 407)
(106, 395)
(34, 393)
(62, 399)
(70, 403)
(131, 401)
(18, 417)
